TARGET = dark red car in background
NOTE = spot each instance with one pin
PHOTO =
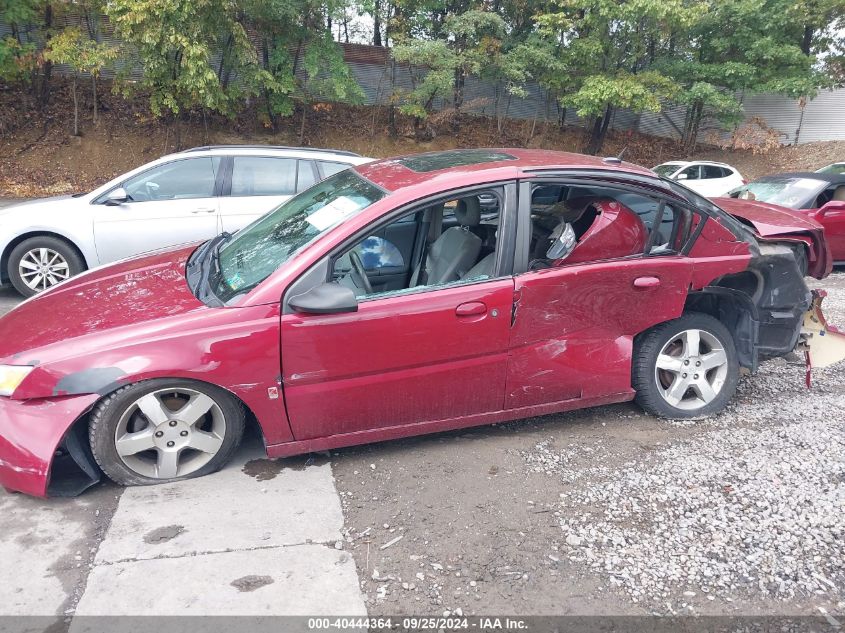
(401, 297)
(820, 196)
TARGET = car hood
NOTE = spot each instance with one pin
(28, 206)
(768, 219)
(110, 299)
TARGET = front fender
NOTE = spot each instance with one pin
(30, 433)
(236, 349)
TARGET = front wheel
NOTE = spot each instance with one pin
(163, 430)
(685, 368)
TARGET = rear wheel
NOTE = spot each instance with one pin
(163, 430)
(685, 368)
(38, 263)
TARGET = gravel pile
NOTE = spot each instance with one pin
(734, 510)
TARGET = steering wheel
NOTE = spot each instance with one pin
(358, 266)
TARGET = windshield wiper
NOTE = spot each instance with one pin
(199, 269)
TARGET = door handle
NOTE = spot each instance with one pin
(204, 210)
(646, 282)
(471, 308)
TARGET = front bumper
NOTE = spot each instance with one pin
(31, 432)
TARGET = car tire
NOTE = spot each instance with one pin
(164, 430)
(60, 261)
(685, 368)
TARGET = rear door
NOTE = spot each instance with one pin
(574, 325)
(256, 185)
(171, 203)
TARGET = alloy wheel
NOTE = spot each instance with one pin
(170, 433)
(42, 268)
(691, 369)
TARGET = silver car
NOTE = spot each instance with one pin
(184, 197)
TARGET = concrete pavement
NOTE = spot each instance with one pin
(249, 544)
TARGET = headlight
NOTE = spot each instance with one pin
(11, 376)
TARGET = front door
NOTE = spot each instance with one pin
(169, 204)
(399, 360)
(423, 346)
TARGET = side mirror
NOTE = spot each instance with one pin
(682, 177)
(326, 298)
(833, 205)
(116, 197)
(564, 242)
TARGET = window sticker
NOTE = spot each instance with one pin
(333, 213)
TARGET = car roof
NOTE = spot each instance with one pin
(834, 179)
(698, 162)
(281, 150)
(471, 165)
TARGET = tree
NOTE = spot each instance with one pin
(31, 24)
(432, 70)
(738, 46)
(82, 55)
(174, 42)
(299, 58)
(471, 45)
(608, 49)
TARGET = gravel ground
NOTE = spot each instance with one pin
(609, 511)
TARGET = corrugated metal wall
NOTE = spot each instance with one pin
(822, 119)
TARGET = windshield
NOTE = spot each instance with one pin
(254, 253)
(666, 169)
(788, 192)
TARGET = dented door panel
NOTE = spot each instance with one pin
(573, 329)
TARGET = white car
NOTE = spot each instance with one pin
(184, 197)
(706, 178)
(833, 168)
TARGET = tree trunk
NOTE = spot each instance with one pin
(458, 97)
(302, 124)
(46, 73)
(692, 126)
(265, 60)
(94, 92)
(376, 23)
(391, 112)
(75, 107)
(599, 132)
(178, 131)
(802, 103)
(807, 39)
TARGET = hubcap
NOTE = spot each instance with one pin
(41, 268)
(691, 369)
(170, 433)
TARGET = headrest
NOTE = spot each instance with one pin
(468, 211)
(839, 194)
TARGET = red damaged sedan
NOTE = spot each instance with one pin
(401, 297)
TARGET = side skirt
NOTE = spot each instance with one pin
(289, 449)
